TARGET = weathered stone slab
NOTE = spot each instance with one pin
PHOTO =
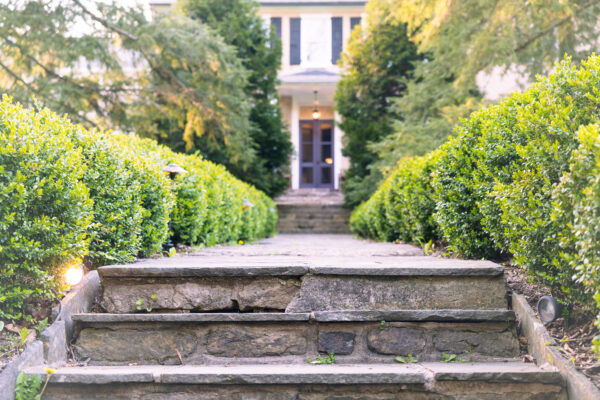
(202, 294)
(270, 293)
(484, 343)
(339, 343)
(411, 266)
(415, 316)
(93, 318)
(330, 293)
(512, 372)
(203, 267)
(155, 346)
(396, 340)
(252, 341)
(256, 338)
(308, 382)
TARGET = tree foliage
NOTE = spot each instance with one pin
(109, 66)
(464, 38)
(259, 50)
(378, 62)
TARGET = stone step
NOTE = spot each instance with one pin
(300, 284)
(313, 218)
(420, 381)
(215, 338)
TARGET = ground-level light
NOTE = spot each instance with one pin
(549, 309)
(73, 275)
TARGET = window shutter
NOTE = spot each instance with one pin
(276, 25)
(336, 39)
(295, 41)
(353, 22)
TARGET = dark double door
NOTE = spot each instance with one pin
(316, 154)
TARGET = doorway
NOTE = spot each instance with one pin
(316, 154)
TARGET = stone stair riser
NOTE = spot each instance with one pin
(306, 294)
(443, 391)
(290, 342)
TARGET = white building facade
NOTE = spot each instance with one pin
(313, 34)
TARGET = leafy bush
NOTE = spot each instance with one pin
(115, 234)
(520, 178)
(157, 199)
(44, 205)
(67, 195)
(497, 176)
(577, 210)
(403, 207)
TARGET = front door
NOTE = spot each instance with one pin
(316, 154)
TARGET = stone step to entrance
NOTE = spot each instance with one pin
(217, 338)
(313, 218)
(422, 381)
(298, 284)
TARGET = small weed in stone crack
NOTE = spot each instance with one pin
(139, 305)
(408, 360)
(448, 358)
(330, 359)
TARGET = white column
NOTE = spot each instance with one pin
(337, 151)
(295, 132)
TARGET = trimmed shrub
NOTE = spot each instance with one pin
(44, 206)
(69, 195)
(522, 178)
(403, 206)
(115, 234)
(577, 210)
(497, 176)
(157, 199)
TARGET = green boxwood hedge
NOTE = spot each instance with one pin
(69, 195)
(518, 179)
(403, 207)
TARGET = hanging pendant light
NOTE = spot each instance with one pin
(316, 114)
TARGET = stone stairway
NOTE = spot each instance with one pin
(241, 322)
(312, 211)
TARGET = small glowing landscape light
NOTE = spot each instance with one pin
(73, 275)
(549, 309)
(173, 170)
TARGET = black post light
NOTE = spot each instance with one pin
(173, 170)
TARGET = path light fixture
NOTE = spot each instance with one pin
(316, 114)
(74, 275)
(246, 204)
(549, 309)
(173, 170)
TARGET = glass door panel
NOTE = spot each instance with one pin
(316, 154)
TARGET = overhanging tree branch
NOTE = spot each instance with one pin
(551, 27)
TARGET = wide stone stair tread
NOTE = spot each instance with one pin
(499, 315)
(282, 374)
(215, 266)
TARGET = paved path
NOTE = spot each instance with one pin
(297, 254)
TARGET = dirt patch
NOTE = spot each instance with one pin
(574, 336)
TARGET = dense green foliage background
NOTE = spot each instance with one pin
(518, 179)
(69, 195)
(198, 85)
(459, 43)
(378, 62)
(238, 23)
